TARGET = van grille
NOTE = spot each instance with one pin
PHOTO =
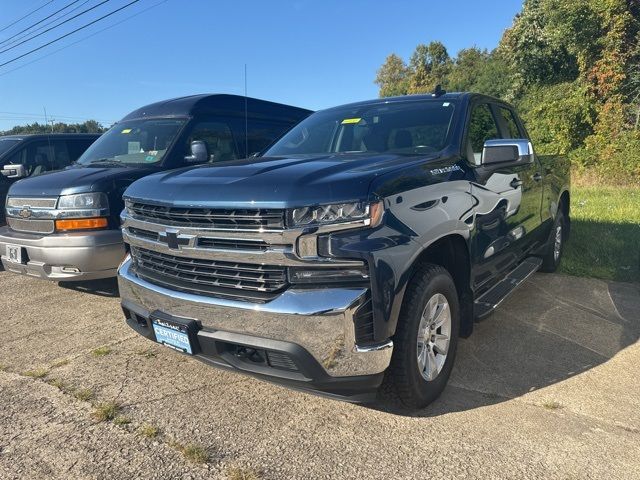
(30, 226)
(223, 219)
(200, 276)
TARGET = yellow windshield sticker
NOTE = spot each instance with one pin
(347, 121)
(126, 130)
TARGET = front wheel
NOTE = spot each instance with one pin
(425, 341)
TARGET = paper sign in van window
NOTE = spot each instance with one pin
(126, 130)
(348, 121)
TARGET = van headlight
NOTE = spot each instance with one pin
(369, 213)
(84, 201)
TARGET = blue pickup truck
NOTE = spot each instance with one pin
(350, 258)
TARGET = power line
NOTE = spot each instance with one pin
(70, 33)
(25, 16)
(55, 26)
(15, 38)
(84, 38)
(26, 116)
(40, 21)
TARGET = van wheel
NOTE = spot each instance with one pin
(551, 260)
(425, 341)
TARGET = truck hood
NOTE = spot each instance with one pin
(270, 182)
(77, 179)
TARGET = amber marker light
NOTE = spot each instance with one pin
(375, 213)
(81, 224)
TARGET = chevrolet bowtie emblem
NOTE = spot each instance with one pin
(173, 240)
(25, 212)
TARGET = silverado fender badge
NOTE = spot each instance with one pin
(439, 171)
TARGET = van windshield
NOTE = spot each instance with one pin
(134, 142)
(404, 128)
(6, 144)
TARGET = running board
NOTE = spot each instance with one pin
(489, 301)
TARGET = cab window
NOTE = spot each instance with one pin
(510, 126)
(482, 127)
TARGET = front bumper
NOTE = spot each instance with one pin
(65, 257)
(312, 328)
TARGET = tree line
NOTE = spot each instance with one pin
(571, 68)
(89, 126)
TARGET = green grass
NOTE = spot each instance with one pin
(101, 351)
(193, 453)
(37, 373)
(149, 431)
(84, 394)
(552, 405)
(121, 420)
(605, 234)
(106, 411)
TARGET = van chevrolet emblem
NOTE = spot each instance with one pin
(173, 240)
(25, 212)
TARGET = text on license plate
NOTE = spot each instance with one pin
(172, 338)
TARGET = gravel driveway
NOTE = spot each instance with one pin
(548, 387)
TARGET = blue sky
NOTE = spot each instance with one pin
(310, 53)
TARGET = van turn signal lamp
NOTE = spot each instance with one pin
(71, 224)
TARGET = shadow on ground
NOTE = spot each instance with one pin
(552, 329)
(107, 287)
(603, 250)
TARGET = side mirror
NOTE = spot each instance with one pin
(507, 151)
(14, 171)
(199, 152)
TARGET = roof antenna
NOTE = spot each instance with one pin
(438, 91)
(246, 116)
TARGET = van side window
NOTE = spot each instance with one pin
(262, 134)
(76, 147)
(482, 127)
(218, 138)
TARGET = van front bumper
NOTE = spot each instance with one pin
(65, 256)
(304, 338)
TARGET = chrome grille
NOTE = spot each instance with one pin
(234, 244)
(202, 276)
(30, 226)
(223, 219)
(49, 203)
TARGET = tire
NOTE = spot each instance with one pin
(553, 257)
(406, 383)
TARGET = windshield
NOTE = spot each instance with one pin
(134, 142)
(406, 128)
(6, 144)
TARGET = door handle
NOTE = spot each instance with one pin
(515, 183)
(537, 176)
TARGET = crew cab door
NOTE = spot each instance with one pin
(508, 196)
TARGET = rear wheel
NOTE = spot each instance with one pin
(425, 341)
(551, 260)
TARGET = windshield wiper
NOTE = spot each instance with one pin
(107, 161)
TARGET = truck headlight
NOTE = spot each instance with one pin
(85, 201)
(369, 213)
